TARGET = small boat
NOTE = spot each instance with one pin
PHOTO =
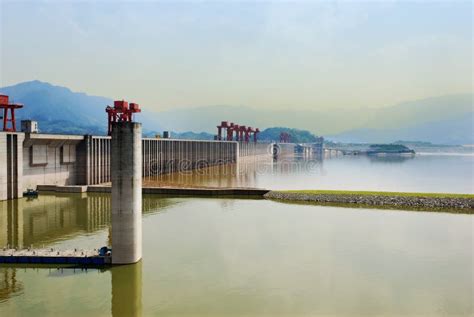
(30, 193)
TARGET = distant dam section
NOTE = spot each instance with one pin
(31, 159)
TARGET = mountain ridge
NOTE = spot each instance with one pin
(61, 110)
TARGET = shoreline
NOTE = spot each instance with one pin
(415, 201)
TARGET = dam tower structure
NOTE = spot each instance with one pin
(126, 176)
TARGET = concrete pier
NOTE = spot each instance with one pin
(11, 171)
(126, 174)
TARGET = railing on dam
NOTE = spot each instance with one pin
(160, 156)
(98, 160)
(251, 148)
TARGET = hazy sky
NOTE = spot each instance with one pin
(267, 54)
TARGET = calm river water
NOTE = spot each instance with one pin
(451, 173)
(243, 257)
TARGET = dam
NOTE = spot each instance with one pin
(33, 159)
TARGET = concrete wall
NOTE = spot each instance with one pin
(161, 156)
(93, 160)
(11, 171)
(49, 159)
(286, 148)
(252, 149)
(28, 160)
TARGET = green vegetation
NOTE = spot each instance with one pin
(270, 134)
(376, 193)
(388, 148)
(296, 135)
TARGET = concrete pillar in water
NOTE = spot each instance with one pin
(126, 170)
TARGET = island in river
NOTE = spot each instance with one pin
(372, 149)
(376, 149)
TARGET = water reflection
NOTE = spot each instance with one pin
(52, 218)
(246, 173)
(229, 175)
(215, 257)
(127, 290)
(420, 173)
(390, 158)
(124, 287)
(9, 285)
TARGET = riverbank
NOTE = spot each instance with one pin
(421, 201)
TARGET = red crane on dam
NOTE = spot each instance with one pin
(225, 125)
(242, 129)
(236, 129)
(122, 111)
(9, 122)
(230, 132)
(242, 132)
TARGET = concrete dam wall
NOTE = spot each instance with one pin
(28, 160)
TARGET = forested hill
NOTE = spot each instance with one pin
(296, 135)
(267, 135)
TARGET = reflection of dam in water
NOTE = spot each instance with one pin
(9, 285)
(242, 174)
(127, 290)
(125, 286)
(52, 217)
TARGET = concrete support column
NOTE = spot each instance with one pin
(3, 164)
(11, 162)
(126, 170)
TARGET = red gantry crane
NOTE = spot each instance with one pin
(242, 129)
(242, 132)
(122, 111)
(9, 123)
(236, 129)
(229, 130)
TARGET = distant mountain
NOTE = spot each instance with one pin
(60, 110)
(453, 131)
(270, 134)
(206, 118)
(418, 112)
(320, 122)
(296, 135)
(437, 119)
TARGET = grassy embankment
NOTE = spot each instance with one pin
(376, 193)
(458, 203)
